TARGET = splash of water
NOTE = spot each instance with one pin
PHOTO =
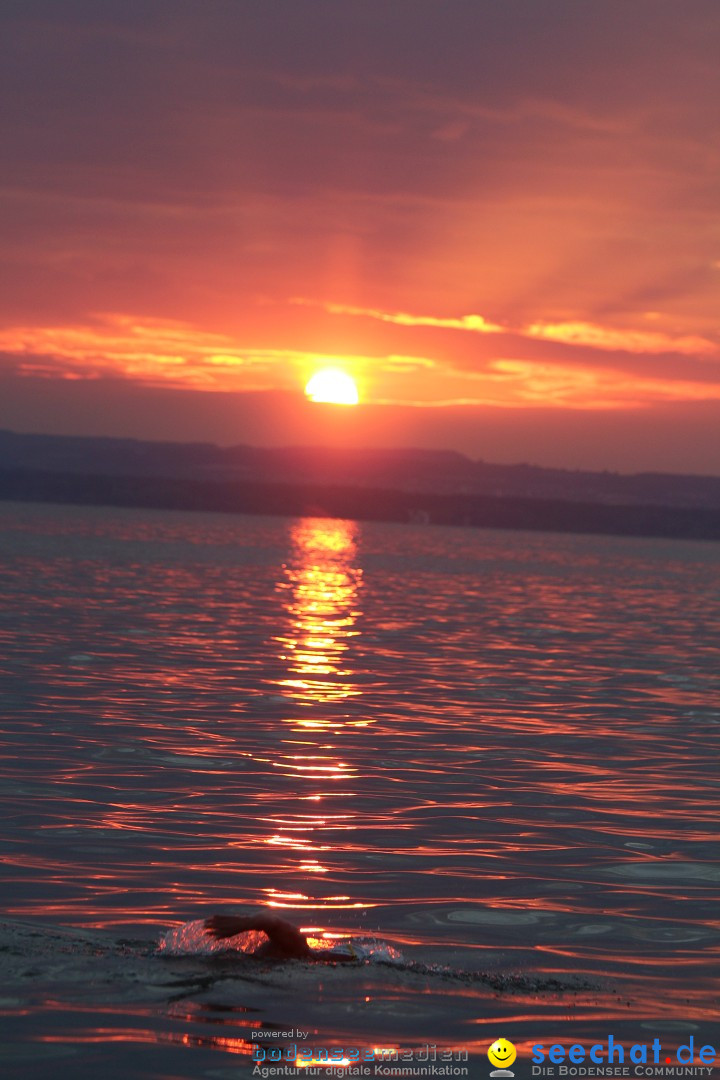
(192, 939)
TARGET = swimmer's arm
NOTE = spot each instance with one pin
(280, 932)
(225, 926)
(285, 937)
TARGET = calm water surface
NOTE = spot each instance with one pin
(495, 751)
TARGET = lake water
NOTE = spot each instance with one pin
(492, 751)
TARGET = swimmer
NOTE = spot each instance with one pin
(284, 941)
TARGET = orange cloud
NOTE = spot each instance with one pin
(529, 382)
(162, 352)
(165, 352)
(633, 341)
(152, 351)
(477, 324)
(586, 334)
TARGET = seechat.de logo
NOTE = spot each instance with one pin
(501, 1054)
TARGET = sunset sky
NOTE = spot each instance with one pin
(501, 218)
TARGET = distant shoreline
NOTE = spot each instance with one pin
(359, 503)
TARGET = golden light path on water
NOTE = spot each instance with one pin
(321, 593)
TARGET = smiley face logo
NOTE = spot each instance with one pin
(502, 1053)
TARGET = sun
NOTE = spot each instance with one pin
(334, 386)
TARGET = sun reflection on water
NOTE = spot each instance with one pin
(321, 586)
(320, 592)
